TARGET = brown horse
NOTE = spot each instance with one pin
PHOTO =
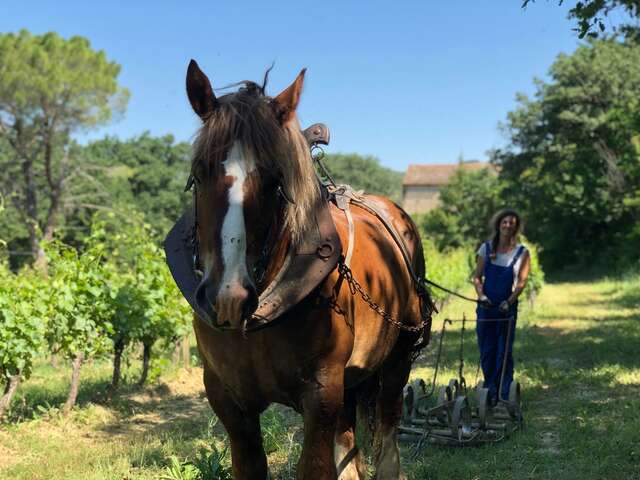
(256, 191)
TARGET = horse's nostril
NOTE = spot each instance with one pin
(251, 304)
(252, 291)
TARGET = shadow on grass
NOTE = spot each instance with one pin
(586, 274)
(628, 298)
(581, 416)
(550, 354)
(605, 344)
(34, 399)
(143, 409)
(155, 411)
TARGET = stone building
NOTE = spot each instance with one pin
(422, 183)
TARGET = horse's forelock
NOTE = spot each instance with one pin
(247, 116)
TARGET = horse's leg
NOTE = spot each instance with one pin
(349, 460)
(248, 459)
(321, 405)
(395, 374)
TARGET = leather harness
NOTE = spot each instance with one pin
(304, 267)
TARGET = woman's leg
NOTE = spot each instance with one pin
(487, 333)
(506, 337)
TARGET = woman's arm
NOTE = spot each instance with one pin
(523, 275)
(477, 276)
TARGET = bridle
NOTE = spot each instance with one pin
(260, 267)
(191, 184)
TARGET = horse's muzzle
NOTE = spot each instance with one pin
(227, 305)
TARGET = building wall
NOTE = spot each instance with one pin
(420, 198)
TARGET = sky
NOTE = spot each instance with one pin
(405, 81)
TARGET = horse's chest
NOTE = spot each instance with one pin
(261, 368)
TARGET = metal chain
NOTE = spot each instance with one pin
(355, 287)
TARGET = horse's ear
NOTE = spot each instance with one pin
(199, 90)
(286, 103)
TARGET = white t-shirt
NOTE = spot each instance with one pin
(505, 259)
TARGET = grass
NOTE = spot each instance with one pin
(577, 357)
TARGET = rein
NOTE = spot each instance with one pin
(317, 154)
(456, 294)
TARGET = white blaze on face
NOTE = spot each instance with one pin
(234, 235)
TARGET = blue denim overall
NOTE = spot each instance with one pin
(492, 336)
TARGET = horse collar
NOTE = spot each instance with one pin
(304, 266)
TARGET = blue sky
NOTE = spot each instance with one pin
(405, 81)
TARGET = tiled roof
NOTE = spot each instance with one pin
(438, 174)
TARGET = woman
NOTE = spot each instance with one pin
(502, 268)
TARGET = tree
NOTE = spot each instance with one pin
(50, 88)
(145, 172)
(467, 204)
(573, 162)
(80, 304)
(166, 316)
(23, 320)
(147, 305)
(592, 14)
(22, 324)
(365, 173)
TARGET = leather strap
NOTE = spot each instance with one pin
(179, 255)
(343, 200)
(303, 270)
(371, 208)
(345, 193)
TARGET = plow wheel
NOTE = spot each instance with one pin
(454, 386)
(408, 400)
(460, 418)
(444, 398)
(419, 391)
(411, 396)
(444, 395)
(482, 400)
(419, 388)
(515, 402)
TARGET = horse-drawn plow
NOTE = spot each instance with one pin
(458, 415)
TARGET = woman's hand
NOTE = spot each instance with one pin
(504, 307)
(484, 301)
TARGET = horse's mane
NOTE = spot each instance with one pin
(248, 116)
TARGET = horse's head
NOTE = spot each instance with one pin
(254, 183)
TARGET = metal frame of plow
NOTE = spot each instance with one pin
(459, 416)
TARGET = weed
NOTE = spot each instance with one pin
(178, 470)
(274, 431)
(213, 465)
(208, 465)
